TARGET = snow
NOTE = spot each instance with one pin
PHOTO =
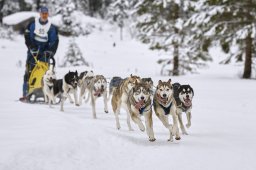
(222, 136)
(18, 17)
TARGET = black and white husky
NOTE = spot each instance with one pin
(65, 87)
(183, 95)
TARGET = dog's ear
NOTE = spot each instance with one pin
(160, 82)
(192, 90)
(68, 71)
(169, 81)
(76, 72)
(131, 75)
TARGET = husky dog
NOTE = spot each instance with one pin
(67, 86)
(120, 97)
(150, 82)
(183, 95)
(165, 105)
(114, 82)
(98, 88)
(85, 79)
(139, 104)
(48, 82)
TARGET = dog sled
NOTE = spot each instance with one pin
(35, 82)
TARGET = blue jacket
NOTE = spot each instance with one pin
(50, 45)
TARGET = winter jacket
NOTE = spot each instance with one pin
(42, 36)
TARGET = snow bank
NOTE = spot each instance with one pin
(18, 17)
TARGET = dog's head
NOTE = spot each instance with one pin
(186, 94)
(164, 90)
(100, 83)
(49, 77)
(85, 76)
(141, 92)
(71, 78)
(132, 80)
(148, 81)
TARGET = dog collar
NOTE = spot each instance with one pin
(50, 87)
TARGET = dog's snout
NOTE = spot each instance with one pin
(164, 95)
(142, 97)
(187, 96)
(102, 86)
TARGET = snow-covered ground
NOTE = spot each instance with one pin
(36, 137)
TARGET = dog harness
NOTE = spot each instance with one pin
(50, 87)
(166, 109)
(41, 31)
(183, 108)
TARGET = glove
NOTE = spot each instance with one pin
(48, 54)
(33, 47)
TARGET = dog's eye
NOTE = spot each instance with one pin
(161, 89)
(167, 89)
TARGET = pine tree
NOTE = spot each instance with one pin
(161, 25)
(230, 23)
(9, 7)
(74, 56)
(119, 13)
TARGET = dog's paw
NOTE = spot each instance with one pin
(170, 140)
(177, 138)
(106, 111)
(152, 139)
(188, 125)
(77, 104)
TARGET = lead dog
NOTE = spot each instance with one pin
(120, 97)
(183, 95)
(139, 104)
(165, 105)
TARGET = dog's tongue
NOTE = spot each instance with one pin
(187, 102)
(98, 92)
(139, 105)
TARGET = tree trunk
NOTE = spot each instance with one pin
(175, 71)
(121, 33)
(22, 5)
(248, 57)
(1, 14)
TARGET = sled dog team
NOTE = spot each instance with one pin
(134, 94)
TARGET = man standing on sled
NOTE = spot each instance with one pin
(41, 38)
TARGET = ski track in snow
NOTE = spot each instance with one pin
(36, 137)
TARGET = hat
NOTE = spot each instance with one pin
(43, 9)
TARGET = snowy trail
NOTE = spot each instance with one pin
(222, 136)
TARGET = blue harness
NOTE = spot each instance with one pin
(166, 109)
